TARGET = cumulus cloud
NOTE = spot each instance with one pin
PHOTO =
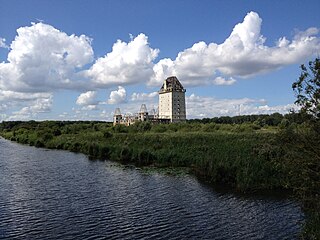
(3, 43)
(87, 98)
(43, 58)
(141, 97)
(6, 96)
(117, 96)
(39, 102)
(200, 107)
(243, 54)
(29, 104)
(41, 105)
(35, 106)
(127, 63)
(223, 81)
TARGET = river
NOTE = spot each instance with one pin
(51, 194)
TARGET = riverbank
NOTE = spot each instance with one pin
(246, 157)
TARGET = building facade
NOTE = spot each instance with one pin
(172, 104)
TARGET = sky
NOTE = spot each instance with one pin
(81, 59)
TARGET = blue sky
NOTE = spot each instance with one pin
(74, 60)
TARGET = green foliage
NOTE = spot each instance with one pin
(284, 123)
(159, 128)
(307, 88)
(120, 129)
(107, 134)
(141, 126)
(302, 146)
(262, 119)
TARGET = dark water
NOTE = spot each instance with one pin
(61, 195)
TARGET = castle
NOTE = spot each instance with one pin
(172, 106)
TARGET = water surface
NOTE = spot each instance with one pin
(50, 194)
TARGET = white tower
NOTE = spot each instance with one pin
(172, 100)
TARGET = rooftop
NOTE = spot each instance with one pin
(171, 84)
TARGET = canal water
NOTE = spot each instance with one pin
(50, 194)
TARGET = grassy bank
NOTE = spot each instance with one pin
(246, 156)
(229, 154)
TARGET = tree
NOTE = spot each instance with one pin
(303, 155)
(307, 88)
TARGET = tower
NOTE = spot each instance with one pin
(117, 117)
(172, 100)
(143, 114)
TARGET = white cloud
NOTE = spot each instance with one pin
(7, 96)
(127, 63)
(30, 104)
(3, 43)
(36, 106)
(43, 58)
(141, 97)
(117, 96)
(90, 107)
(64, 115)
(88, 101)
(41, 105)
(200, 107)
(38, 101)
(87, 98)
(242, 54)
(223, 81)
